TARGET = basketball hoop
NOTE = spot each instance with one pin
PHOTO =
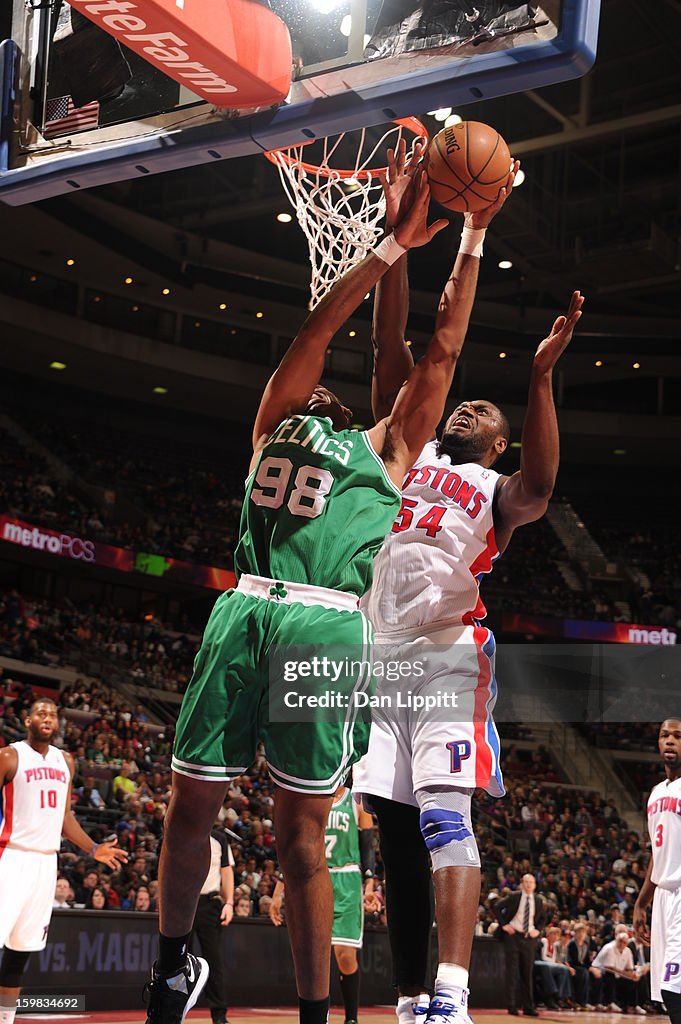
(338, 209)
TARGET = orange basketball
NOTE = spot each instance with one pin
(467, 164)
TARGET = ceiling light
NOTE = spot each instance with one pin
(57, 365)
(97, 298)
(352, 334)
(502, 355)
(346, 25)
(33, 278)
(452, 120)
(166, 291)
(259, 315)
(442, 114)
(619, 451)
(233, 330)
(70, 262)
(284, 218)
(519, 178)
(128, 280)
(599, 362)
(223, 305)
(636, 366)
(197, 323)
(160, 391)
(135, 309)
(505, 264)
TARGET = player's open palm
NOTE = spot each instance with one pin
(109, 854)
(483, 218)
(414, 230)
(551, 348)
(398, 181)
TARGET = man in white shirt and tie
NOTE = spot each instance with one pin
(521, 916)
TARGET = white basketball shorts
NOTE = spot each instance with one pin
(27, 882)
(665, 943)
(412, 747)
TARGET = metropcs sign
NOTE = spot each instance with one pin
(233, 53)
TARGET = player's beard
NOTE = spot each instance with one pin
(469, 448)
(37, 735)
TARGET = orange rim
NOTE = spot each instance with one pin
(275, 156)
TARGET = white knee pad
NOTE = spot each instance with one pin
(447, 828)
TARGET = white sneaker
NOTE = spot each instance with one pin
(413, 1011)
(640, 1011)
(613, 1008)
(446, 1008)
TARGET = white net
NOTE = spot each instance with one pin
(340, 215)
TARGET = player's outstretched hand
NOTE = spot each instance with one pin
(398, 181)
(483, 218)
(641, 929)
(551, 348)
(413, 230)
(107, 853)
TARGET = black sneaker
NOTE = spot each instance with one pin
(172, 996)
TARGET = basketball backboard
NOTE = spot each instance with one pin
(80, 110)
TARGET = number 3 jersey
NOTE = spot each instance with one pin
(664, 826)
(34, 802)
(318, 506)
(441, 546)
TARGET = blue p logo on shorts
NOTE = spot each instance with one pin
(671, 970)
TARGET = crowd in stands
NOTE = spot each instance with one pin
(60, 633)
(182, 497)
(588, 863)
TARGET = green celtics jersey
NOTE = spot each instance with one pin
(317, 508)
(342, 834)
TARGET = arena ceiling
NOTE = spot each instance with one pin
(600, 208)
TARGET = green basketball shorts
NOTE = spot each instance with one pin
(226, 708)
(348, 907)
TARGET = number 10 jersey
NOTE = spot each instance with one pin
(318, 506)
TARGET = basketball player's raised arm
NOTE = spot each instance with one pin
(524, 497)
(393, 360)
(420, 404)
(299, 372)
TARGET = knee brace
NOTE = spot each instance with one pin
(447, 828)
(12, 967)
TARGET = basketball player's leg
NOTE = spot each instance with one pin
(347, 935)
(27, 883)
(185, 859)
(670, 968)
(300, 822)
(450, 758)
(409, 894)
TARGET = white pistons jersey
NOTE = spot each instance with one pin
(664, 826)
(441, 545)
(34, 802)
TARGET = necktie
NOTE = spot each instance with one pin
(526, 915)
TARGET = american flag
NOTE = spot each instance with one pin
(62, 118)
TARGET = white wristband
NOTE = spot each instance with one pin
(389, 250)
(471, 241)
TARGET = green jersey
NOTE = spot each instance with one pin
(342, 834)
(318, 506)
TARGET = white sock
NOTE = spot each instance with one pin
(7, 1014)
(453, 979)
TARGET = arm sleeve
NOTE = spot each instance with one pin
(366, 852)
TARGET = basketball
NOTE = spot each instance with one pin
(467, 164)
